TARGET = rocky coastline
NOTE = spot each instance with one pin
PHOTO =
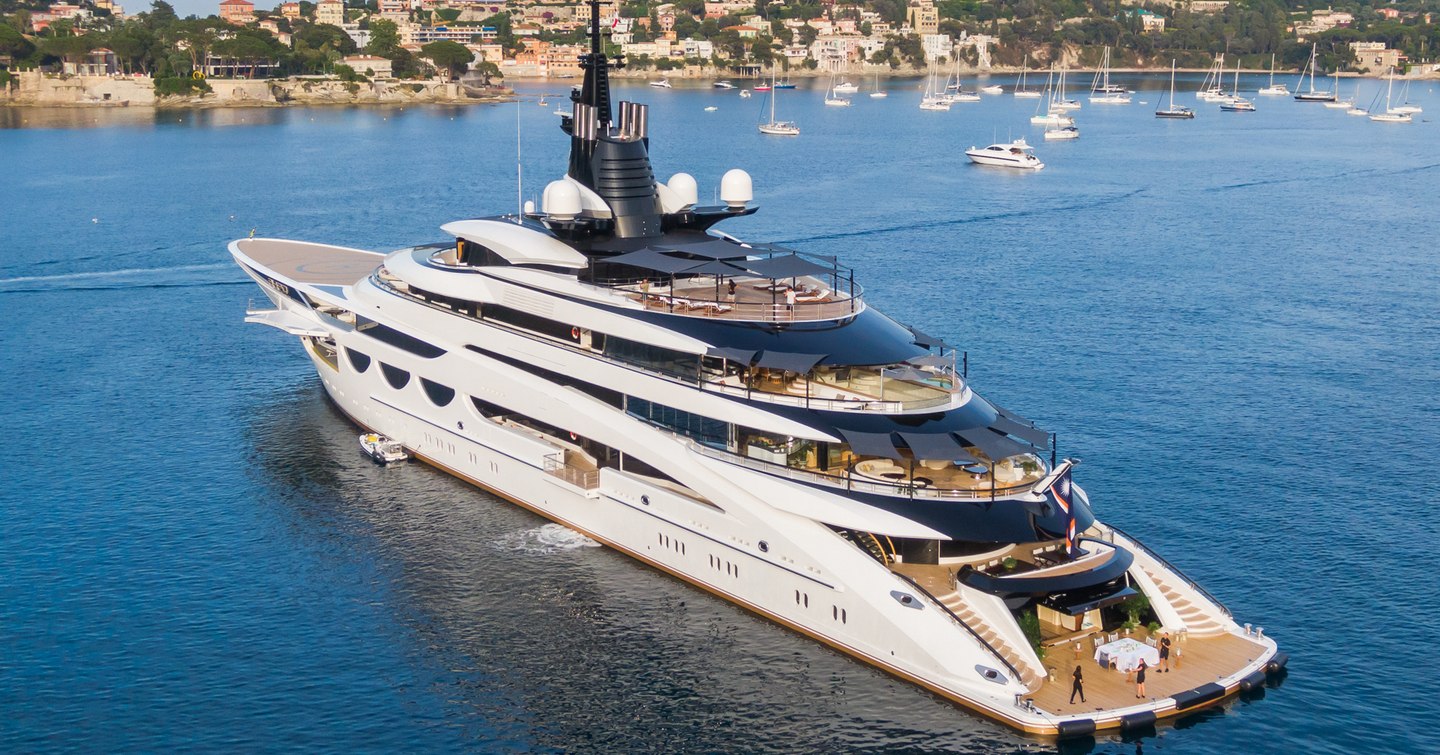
(36, 89)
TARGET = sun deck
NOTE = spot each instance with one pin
(802, 299)
(304, 262)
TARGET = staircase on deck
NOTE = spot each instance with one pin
(955, 601)
(1197, 621)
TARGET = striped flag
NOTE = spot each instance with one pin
(1060, 489)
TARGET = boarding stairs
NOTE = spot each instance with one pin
(955, 601)
(1198, 622)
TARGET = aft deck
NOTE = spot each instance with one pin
(1195, 661)
(304, 262)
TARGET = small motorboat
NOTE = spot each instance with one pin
(745, 94)
(992, 89)
(1068, 132)
(723, 85)
(1016, 154)
(711, 109)
(846, 87)
(382, 449)
(661, 84)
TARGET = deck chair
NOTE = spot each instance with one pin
(1114, 636)
(1150, 641)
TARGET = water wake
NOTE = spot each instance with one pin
(1099, 202)
(545, 539)
(216, 273)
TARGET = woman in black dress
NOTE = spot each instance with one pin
(1140, 679)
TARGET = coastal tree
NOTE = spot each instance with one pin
(487, 71)
(384, 38)
(14, 44)
(453, 57)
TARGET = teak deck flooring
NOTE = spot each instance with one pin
(305, 262)
(1202, 660)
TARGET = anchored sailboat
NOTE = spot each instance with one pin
(1313, 95)
(1274, 89)
(777, 127)
(1174, 111)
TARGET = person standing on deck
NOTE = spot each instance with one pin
(1164, 653)
(1140, 679)
(1078, 686)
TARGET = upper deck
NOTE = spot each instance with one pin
(305, 262)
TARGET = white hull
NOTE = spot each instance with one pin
(1054, 119)
(779, 129)
(1028, 95)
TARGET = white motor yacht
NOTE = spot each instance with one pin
(723, 85)
(1016, 154)
(661, 84)
(1062, 133)
(739, 416)
(845, 87)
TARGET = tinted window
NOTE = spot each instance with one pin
(439, 395)
(360, 362)
(396, 338)
(396, 377)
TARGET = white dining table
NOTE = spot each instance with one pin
(1127, 654)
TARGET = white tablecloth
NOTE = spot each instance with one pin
(1127, 654)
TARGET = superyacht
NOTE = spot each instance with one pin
(736, 414)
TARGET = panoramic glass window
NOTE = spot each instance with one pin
(361, 362)
(396, 377)
(439, 395)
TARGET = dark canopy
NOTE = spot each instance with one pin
(716, 267)
(995, 445)
(928, 341)
(743, 356)
(706, 247)
(870, 444)
(931, 360)
(649, 259)
(786, 266)
(935, 446)
(784, 360)
(1024, 431)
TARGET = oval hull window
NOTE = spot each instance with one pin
(396, 377)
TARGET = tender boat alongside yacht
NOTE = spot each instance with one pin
(737, 415)
(381, 449)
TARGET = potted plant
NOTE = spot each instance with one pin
(1133, 607)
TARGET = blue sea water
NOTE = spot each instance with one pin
(1233, 321)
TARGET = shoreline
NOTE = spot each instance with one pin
(35, 89)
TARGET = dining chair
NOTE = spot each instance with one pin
(1114, 636)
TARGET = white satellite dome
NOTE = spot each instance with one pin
(735, 189)
(561, 200)
(684, 186)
